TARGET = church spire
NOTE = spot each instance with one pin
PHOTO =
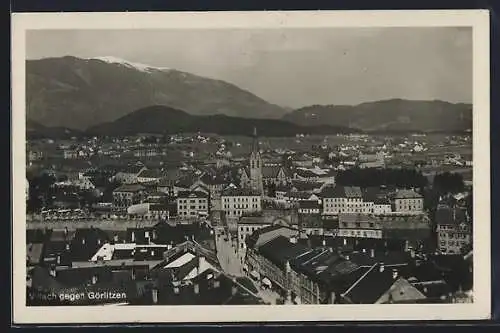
(255, 143)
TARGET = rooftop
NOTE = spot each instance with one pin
(130, 188)
(280, 250)
(407, 194)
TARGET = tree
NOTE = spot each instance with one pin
(445, 183)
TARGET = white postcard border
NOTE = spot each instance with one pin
(479, 309)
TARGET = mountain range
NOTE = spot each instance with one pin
(165, 120)
(389, 115)
(75, 94)
(79, 93)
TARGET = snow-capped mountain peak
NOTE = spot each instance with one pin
(138, 66)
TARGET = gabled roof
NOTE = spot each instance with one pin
(150, 173)
(305, 185)
(238, 192)
(213, 179)
(370, 287)
(407, 194)
(192, 194)
(280, 250)
(130, 188)
(309, 204)
(132, 169)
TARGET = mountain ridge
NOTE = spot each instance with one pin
(161, 119)
(79, 93)
(388, 115)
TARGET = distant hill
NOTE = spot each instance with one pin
(166, 120)
(78, 93)
(388, 115)
(35, 130)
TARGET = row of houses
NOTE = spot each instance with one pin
(283, 260)
(86, 267)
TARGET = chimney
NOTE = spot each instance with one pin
(196, 288)
(94, 279)
(98, 241)
(372, 253)
(154, 295)
(382, 267)
(201, 264)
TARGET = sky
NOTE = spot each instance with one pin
(292, 67)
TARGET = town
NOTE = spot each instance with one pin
(203, 219)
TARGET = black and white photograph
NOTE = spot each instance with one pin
(271, 166)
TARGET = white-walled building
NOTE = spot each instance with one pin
(192, 204)
(382, 207)
(343, 199)
(408, 201)
(236, 202)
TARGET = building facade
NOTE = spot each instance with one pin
(127, 195)
(192, 204)
(237, 202)
(408, 201)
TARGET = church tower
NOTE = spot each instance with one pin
(256, 166)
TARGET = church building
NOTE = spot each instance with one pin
(251, 176)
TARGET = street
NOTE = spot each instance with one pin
(227, 253)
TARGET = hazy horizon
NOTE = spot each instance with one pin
(292, 68)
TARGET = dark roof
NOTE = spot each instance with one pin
(280, 250)
(342, 192)
(309, 204)
(388, 258)
(192, 194)
(306, 185)
(216, 179)
(270, 171)
(130, 188)
(252, 239)
(323, 265)
(300, 195)
(153, 173)
(208, 292)
(86, 242)
(236, 192)
(371, 286)
(407, 194)
(133, 169)
(449, 216)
